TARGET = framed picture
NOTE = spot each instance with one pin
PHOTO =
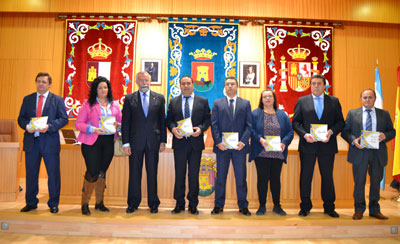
(249, 74)
(153, 67)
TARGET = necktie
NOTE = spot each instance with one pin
(368, 123)
(39, 107)
(319, 107)
(231, 106)
(187, 110)
(145, 105)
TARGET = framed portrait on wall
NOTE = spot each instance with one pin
(249, 73)
(153, 67)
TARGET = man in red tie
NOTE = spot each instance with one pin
(42, 142)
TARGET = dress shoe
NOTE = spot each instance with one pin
(178, 209)
(244, 211)
(332, 214)
(28, 208)
(154, 210)
(130, 209)
(85, 209)
(279, 210)
(379, 216)
(261, 211)
(357, 216)
(304, 213)
(217, 210)
(193, 210)
(100, 206)
(54, 210)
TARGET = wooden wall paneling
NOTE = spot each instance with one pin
(356, 10)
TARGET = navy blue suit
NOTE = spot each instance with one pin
(222, 121)
(47, 147)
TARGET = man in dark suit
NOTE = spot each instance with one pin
(317, 108)
(187, 150)
(42, 143)
(231, 114)
(143, 134)
(367, 118)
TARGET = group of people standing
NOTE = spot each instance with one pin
(144, 134)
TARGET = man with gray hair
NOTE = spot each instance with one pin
(143, 134)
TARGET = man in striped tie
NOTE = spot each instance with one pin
(367, 118)
(187, 149)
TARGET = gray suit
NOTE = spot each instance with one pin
(370, 160)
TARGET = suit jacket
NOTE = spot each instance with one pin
(222, 121)
(200, 118)
(257, 131)
(90, 116)
(352, 130)
(305, 115)
(139, 130)
(57, 118)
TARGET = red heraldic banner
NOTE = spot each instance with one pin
(293, 55)
(97, 48)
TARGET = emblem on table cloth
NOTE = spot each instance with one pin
(207, 176)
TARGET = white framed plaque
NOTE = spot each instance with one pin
(369, 139)
(106, 123)
(273, 144)
(37, 123)
(230, 139)
(185, 127)
(319, 131)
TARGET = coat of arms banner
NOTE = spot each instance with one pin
(293, 55)
(98, 47)
(205, 51)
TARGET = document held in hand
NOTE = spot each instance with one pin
(106, 123)
(230, 139)
(319, 131)
(37, 123)
(273, 144)
(369, 139)
(185, 127)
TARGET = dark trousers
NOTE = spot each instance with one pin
(269, 169)
(370, 163)
(325, 163)
(32, 166)
(187, 157)
(98, 156)
(135, 177)
(239, 166)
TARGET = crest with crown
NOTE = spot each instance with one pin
(298, 53)
(203, 54)
(99, 51)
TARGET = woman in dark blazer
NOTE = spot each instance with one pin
(271, 121)
(97, 145)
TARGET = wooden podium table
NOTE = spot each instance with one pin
(73, 170)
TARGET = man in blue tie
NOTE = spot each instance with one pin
(144, 135)
(317, 108)
(367, 118)
(187, 149)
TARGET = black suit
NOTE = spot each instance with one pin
(304, 116)
(46, 147)
(144, 135)
(188, 150)
(370, 160)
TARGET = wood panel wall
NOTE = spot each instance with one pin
(32, 40)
